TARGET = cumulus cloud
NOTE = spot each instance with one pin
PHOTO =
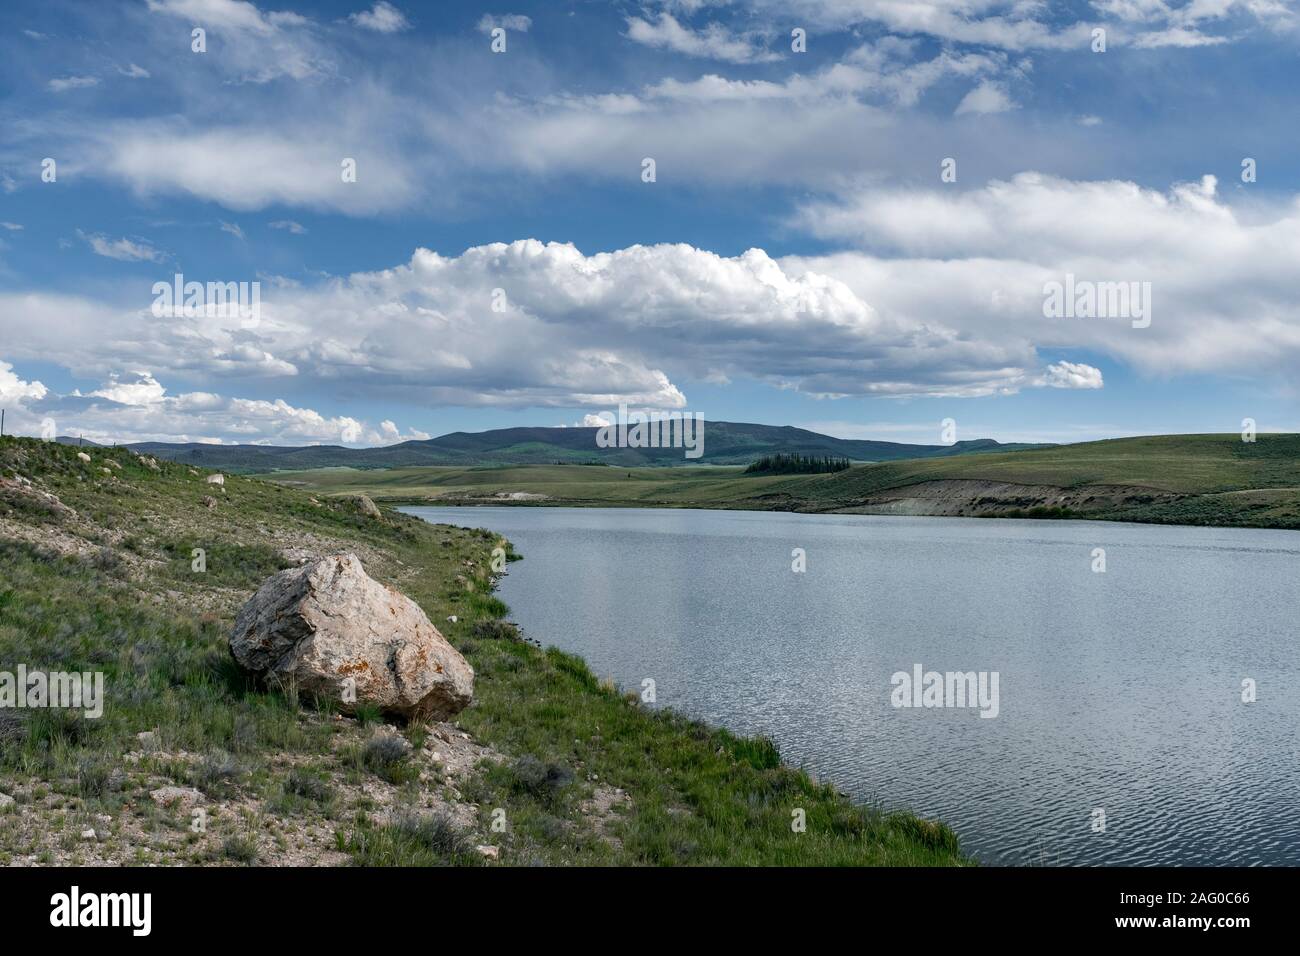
(1222, 284)
(141, 388)
(567, 329)
(1071, 375)
(135, 407)
(985, 98)
(382, 18)
(14, 391)
(713, 42)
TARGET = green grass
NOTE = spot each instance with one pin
(121, 598)
(1181, 479)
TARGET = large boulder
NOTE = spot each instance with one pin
(327, 624)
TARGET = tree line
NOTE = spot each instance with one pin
(795, 464)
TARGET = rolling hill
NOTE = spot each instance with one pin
(725, 443)
(1170, 479)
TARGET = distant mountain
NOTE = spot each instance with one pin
(725, 443)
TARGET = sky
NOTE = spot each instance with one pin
(845, 215)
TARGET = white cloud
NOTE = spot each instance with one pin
(261, 46)
(15, 391)
(1223, 284)
(577, 331)
(1071, 375)
(134, 72)
(247, 169)
(985, 98)
(11, 226)
(124, 249)
(1176, 37)
(509, 21)
(138, 409)
(233, 229)
(141, 389)
(65, 83)
(714, 42)
(382, 18)
(289, 225)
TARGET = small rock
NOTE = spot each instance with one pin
(82, 456)
(6, 801)
(453, 618)
(216, 480)
(88, 834)
(114, 464)
(148, 739)
(209, 502)
(103, 818)
(489, 852)
(105, 471)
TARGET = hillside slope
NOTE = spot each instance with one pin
(100, 575)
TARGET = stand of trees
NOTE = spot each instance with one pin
(796, 465)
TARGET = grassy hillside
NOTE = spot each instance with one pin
(726, 443)
(98, 575)
(1184, 479)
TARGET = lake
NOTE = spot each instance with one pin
(1120, 736)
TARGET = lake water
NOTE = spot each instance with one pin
(1118, 692)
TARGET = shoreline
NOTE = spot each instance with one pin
(549, 765)
(400, 502)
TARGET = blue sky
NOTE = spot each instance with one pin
(798, 258)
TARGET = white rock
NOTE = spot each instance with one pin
(82, 456)
(88, 834)
(216, 480)
(329, 628)
(489, 852)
